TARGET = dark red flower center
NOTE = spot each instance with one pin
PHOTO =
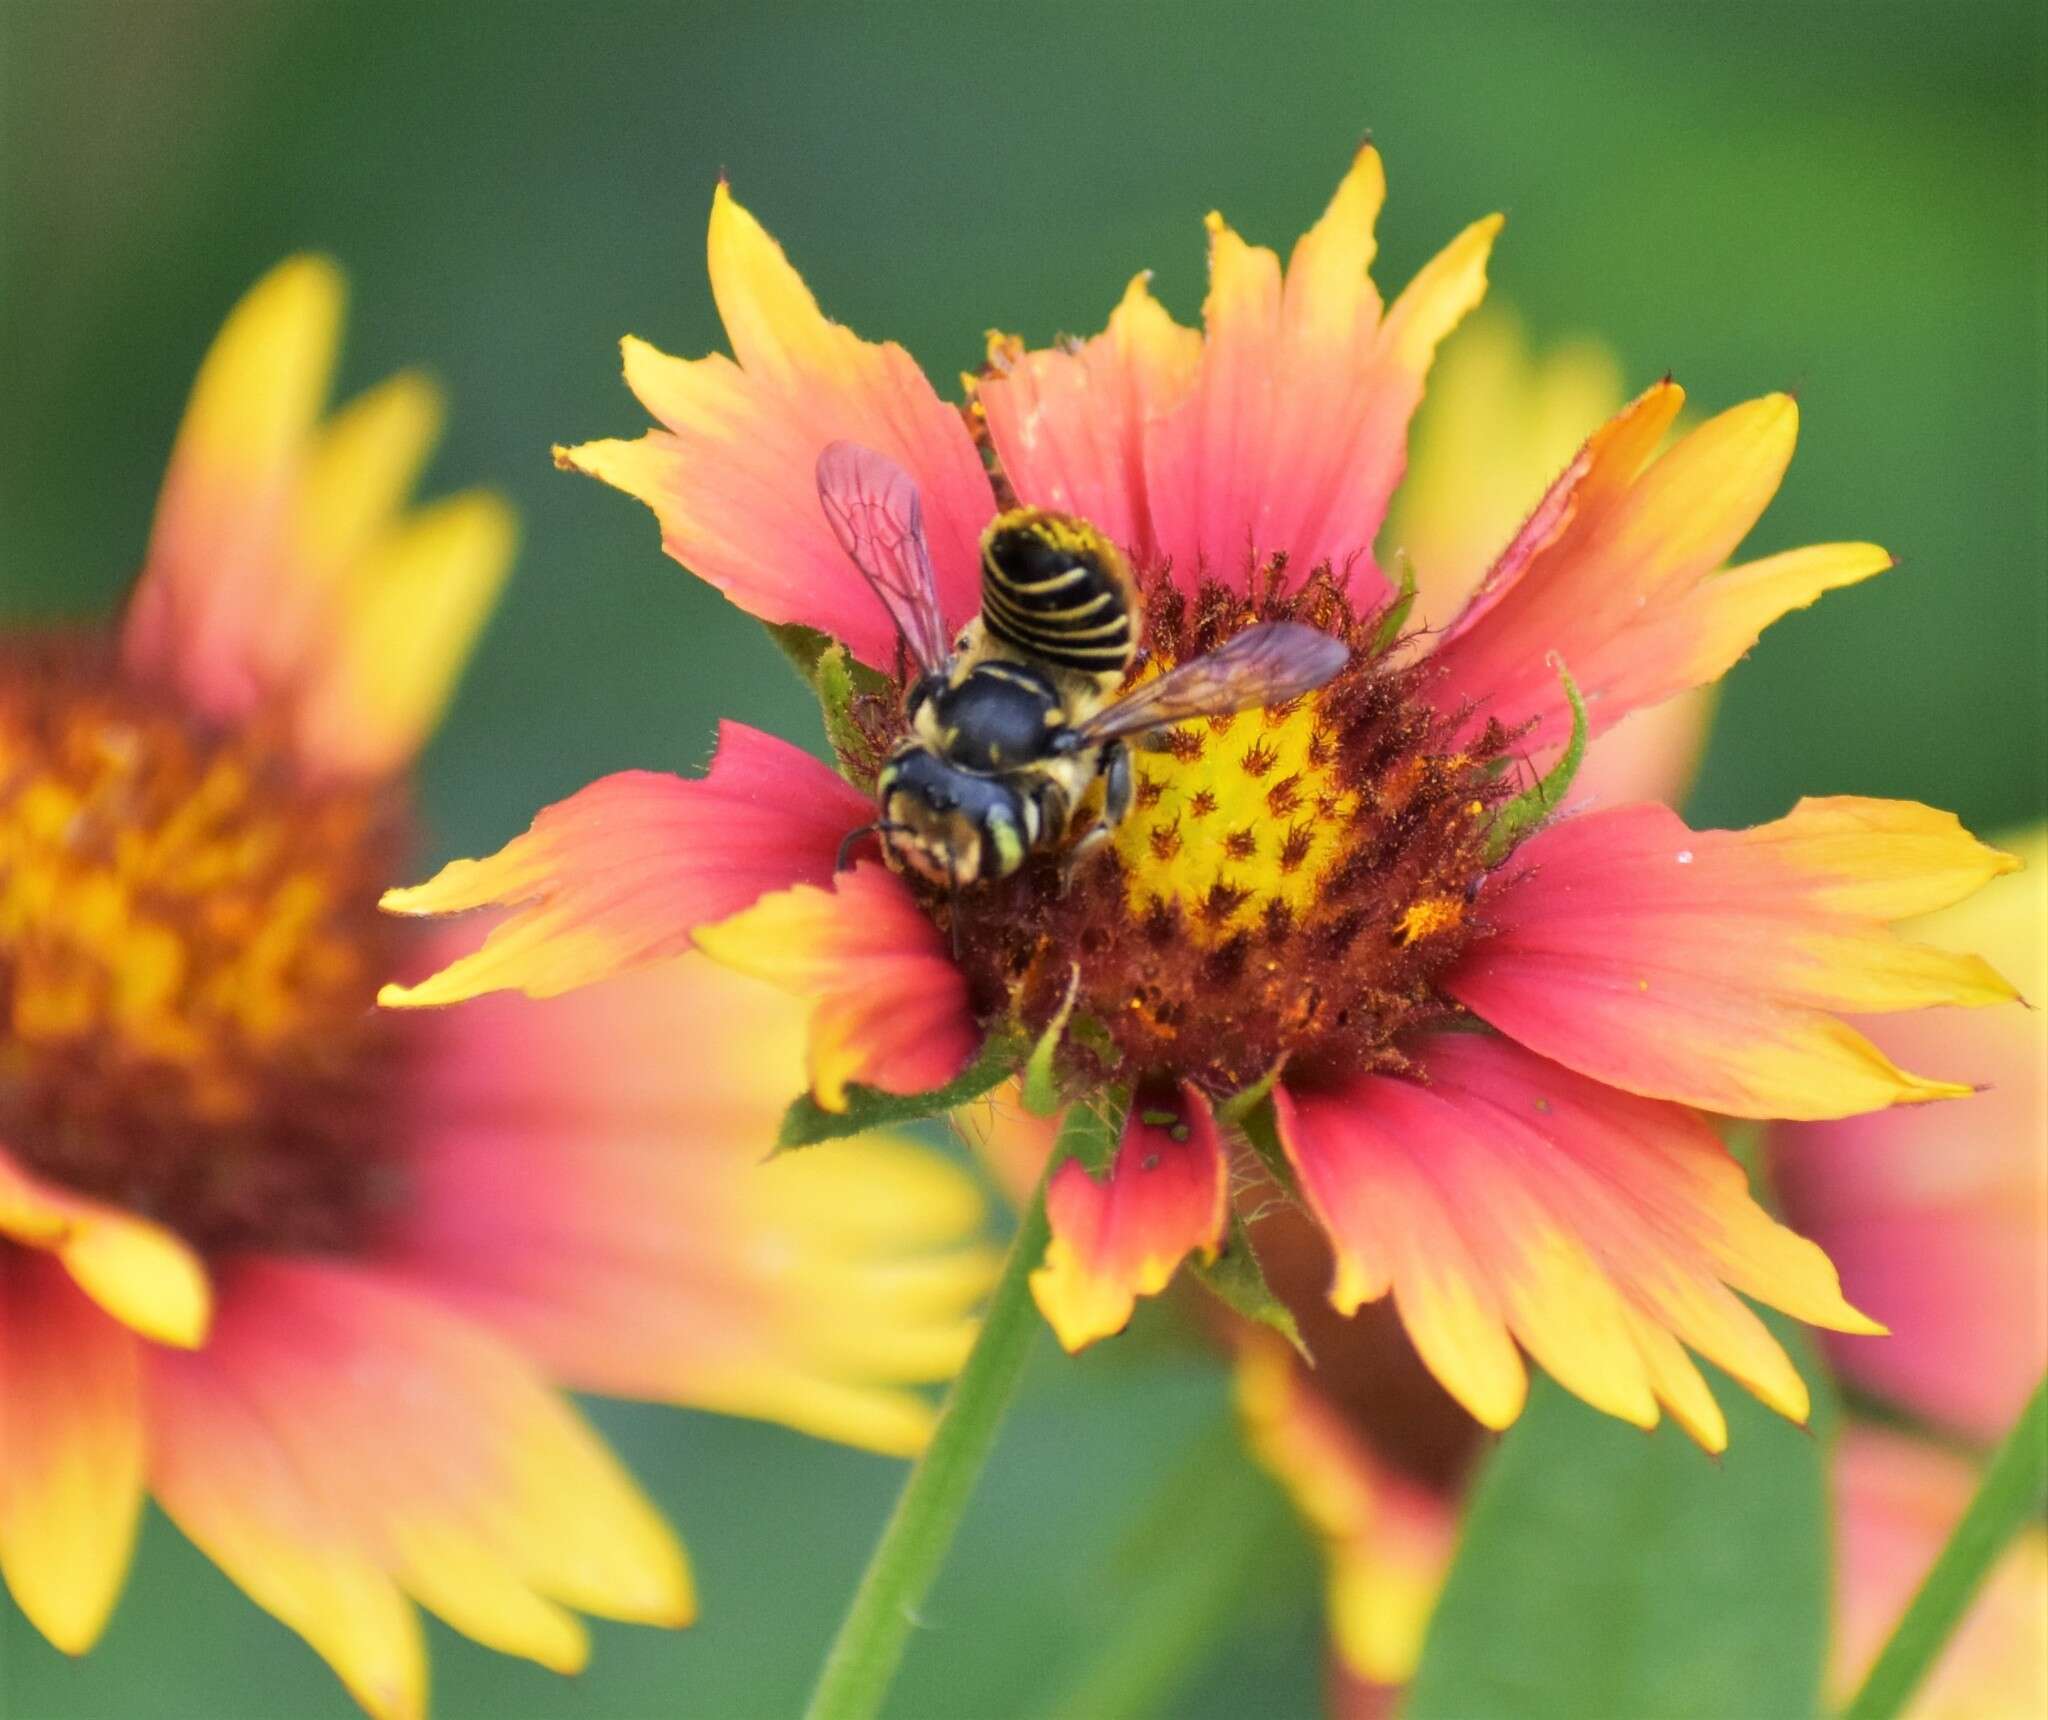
(1289, 882)
(189, 954)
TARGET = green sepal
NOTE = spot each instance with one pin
(1260, 1126)
(838, 678)
(803, 646)
(806, 1122)
(1534, 804)
(1241, 1104)
(1041, 1084)
(1092, 1129)
(1237, 1280)
(1395, 616)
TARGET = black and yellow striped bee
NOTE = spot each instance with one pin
(1015, 722)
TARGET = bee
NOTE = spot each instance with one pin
(1016, 733)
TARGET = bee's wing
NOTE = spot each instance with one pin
(878, 518)
(1263, 665)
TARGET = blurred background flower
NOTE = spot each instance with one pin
(306, 1274)
(1839, 199)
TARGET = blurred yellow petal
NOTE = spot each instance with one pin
(138, 1271)
(408, 615)
(469, 1587)
(362, 466)
(141, 1274)
(222, 528)
(228, 1482)
(70, 1451)
(1386, 1541)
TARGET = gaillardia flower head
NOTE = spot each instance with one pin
(1473, 1037)
(311, 1273)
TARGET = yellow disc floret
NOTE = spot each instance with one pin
(1233, 815)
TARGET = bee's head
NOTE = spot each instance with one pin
(948, 826)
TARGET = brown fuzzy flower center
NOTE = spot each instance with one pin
(189, 955)
(1288, 884)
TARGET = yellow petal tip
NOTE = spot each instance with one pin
(1919, 1091)
(406, 899)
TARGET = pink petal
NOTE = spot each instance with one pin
(1897, 1500)
(1293, 433)
(592, 1181)
(1618, 572)
(1167, 1196)
(343, 1443)
(1937, 1217)
(1070, 425)
(730, 473)
(887, 1006)
(623, 872)
(1508, 1199)
(1707, 966)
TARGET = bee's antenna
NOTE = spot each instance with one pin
(881, 826)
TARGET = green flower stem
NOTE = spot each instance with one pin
(869, 1647)
(2010, 1495)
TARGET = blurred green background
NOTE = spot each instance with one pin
(1848, 200)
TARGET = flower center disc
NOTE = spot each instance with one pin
(1289, 881)
(189, 954)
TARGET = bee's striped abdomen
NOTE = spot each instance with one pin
(1056, 589)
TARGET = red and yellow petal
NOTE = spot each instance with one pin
(343, 1443)
(596, 1193)
(1167, 1196)
(1498, 424)
(1617, 573)
(888, 1008)
(136, 1270)
(623, 872)
(71, 1455)
(1292, 434)
(1508, 1200)
(1935, 1221)
(1070, 425)
(730, 473)
(1706, 966)
(1386, 1541)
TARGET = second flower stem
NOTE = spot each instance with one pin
(869, 1647)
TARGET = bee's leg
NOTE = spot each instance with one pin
(1118, 784)
(1118, 789)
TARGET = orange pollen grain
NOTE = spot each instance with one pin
(1431, 915)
